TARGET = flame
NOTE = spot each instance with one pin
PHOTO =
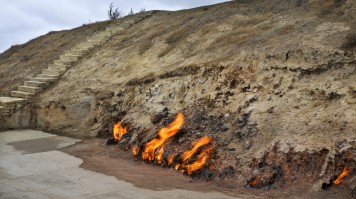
(255, 181)
(344, 173)
(159, 155)
(204, 156)
(170, 159)
(177, 166)
(196, 145)
(135, 150)
(118, 131)
(163, 135)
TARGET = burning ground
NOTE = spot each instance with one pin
(266, 89)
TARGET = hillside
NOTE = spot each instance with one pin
(272, 82)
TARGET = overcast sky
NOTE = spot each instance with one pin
(23, 20)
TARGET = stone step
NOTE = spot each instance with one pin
(130, 21)
(4, 110)
(10, 104)
(5, 101)
(53, 72)
(36, 84)
(5, 114)
(76, 52)
(54, 67)
(86, 46)
(46, 80)
(102, 33)
(114, 29)
(71, 54)
(7, 109)
(29, 89)
(21, 94)
(58, 66)
(93, 40)
(60, 62)
(68, 54)
(48, 76)
(63, 62)
(95, 43)
(106, 36)
(68, 59)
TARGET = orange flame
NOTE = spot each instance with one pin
(177, 166)
(255, 181)
(204, 156)
(196, 145)
(163, 135)
(170, 159)
(118, 131)
(135, 150)
(344, 173)
(159, 155)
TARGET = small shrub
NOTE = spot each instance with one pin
(114, 13)
(130, 13)
(143, 10)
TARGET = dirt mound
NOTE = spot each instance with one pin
(272, 82)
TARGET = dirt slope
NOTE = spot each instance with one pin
(273, 82)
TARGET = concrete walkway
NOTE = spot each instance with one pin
(31, 167)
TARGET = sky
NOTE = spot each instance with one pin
(23, 20)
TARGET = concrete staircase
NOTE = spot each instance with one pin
(39, 82)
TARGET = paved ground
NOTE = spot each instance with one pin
(31, 167)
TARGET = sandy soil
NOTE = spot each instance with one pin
(114, 161)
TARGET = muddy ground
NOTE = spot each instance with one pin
(115, 161)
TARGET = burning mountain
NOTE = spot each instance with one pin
(154, 149)
(252, 75)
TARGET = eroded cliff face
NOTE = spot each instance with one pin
(272, 83)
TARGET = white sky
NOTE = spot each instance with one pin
(23, 20)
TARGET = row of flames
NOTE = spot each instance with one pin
(154, 149)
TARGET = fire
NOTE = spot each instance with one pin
(196, 145)
(170, 159)
(118, 131)
(344, 173)
(177, 166)
(163, 135)
(135, 150)
(255, 181)
(154, 149)
(159, 155)
(204, 156)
